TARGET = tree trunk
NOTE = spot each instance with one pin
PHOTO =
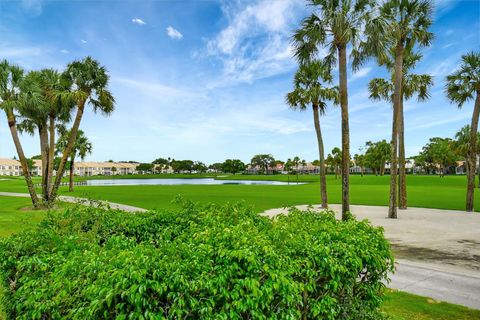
(478, 155)
(392, 209)
(68, 150)
(321, 154)
(72, 163)
(342, 61)
(22, 158)
(43, 133)
(361, 171)
(472, 155)
(402, 178)
(382, 168)
(51, 153)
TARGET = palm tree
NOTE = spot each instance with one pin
(412, 84)
(404, 25)
(334, 26)
(308, 90)
(11, 77)
(87, 84)
(82, 147)
(464, 85)
(461, 146)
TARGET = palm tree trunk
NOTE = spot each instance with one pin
(22, 158)
(45, 154)
(478, 155)
(342, 61)
(68, 150)
(392, 209)
(72, 163)
(402, 197)
(321, 154)
(472, 156)
(51, 153)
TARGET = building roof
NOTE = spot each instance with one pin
(9, 162)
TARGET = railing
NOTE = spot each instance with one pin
(75, 183)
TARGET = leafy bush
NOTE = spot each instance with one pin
(202, 262)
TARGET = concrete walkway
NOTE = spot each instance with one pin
(83, 201)
(437, 251)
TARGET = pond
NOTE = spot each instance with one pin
(170, 182)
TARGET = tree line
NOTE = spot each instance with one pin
(392, 33)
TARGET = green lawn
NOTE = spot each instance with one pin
(404, 306)
(16, 215)
(423, 191)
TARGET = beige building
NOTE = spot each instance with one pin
(104, 168)
(10, 167)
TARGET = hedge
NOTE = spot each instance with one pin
(200, 262)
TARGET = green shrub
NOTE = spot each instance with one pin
(203, 262)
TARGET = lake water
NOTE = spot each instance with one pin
(170, 182)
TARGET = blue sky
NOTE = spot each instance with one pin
(206, 80)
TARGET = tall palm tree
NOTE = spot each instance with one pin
(335, 25)
(464, 85)
(82, 147)
(87, 83)
(59, 113)
(412, 84)
(11, 77)
(308, 90)
(405, 24)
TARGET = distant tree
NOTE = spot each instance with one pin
(233, 166)
(145, 167)
(161, 161)
(438, 153)
(336, 160)
(464, 85)
(360, 162)
(377, 155)
(81, 148)
(114, 170)
(217, 167)
(264, 161)
(199, 166)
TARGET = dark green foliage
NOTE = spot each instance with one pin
(209, 262)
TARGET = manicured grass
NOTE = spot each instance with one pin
(423, 191)
(404, 306)
(16, 215)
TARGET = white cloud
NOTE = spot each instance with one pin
(361, 73)
(65, 51)
(138, 21)
(83, 41)
(174, 33)
(256, 42)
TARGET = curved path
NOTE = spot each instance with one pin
(95, 203)
(438, 250)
